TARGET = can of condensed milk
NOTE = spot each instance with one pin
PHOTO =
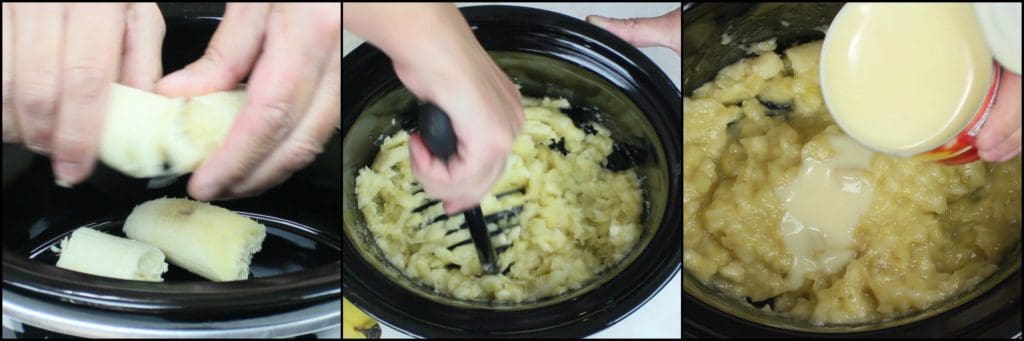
(911, 80)
(960, 149)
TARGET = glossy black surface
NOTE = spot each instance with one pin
(436, 130)
(299, 264)
(530, 45)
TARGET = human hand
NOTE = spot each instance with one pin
(486, 114)
(58, 63)
(645, 32)
(999, 138)
(437, 57)
(294, 54)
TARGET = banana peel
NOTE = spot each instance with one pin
(356, 324)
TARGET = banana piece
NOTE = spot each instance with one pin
(101, 254)
(134, 130)
(357, 324)
(207, 240)
(148, 135)
(201, 128)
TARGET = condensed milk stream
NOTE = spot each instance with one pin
(823, 206)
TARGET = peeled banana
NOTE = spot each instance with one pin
(207, 240)
(149, 135)
(356, 324)
(101, 254)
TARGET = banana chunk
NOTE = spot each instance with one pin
(148, 135)
(101, 254)
(207, 240)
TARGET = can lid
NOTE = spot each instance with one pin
(905, 78)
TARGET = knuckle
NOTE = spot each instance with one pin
(214, 54)
(38, 137)
(72, 143)
(275, 116)
(217, 60)
(37, 105)
(85, 84)
(300, 154)
(36, 97)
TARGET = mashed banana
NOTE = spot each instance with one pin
(929, 233)
(577, 217)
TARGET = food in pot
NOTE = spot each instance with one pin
(100, 254)
(207, 240)
(578, 217)
(148, 135)
(781, 207)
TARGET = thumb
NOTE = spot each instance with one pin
(644, 32)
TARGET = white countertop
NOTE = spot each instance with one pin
(661, 317)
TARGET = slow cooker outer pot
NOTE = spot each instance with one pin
(996, 313)
(369, 75)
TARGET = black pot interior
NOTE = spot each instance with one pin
(547, 54)
(299, 262)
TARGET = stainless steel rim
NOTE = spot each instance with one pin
(86, 322)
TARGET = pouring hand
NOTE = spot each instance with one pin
(58, 63)
(294, 54)
(999, 139)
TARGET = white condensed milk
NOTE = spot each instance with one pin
(823, 206)
(909, 79)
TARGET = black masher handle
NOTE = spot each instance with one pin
(436, 131)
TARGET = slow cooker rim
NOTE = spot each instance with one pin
(309, 285)
(937, 324)
(389, 302)
(664, 248)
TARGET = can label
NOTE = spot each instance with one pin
(961, 149)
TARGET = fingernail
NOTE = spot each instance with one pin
(598, 21)
(68, 173)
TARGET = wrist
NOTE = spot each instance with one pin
(444, 65)
(408, 33)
